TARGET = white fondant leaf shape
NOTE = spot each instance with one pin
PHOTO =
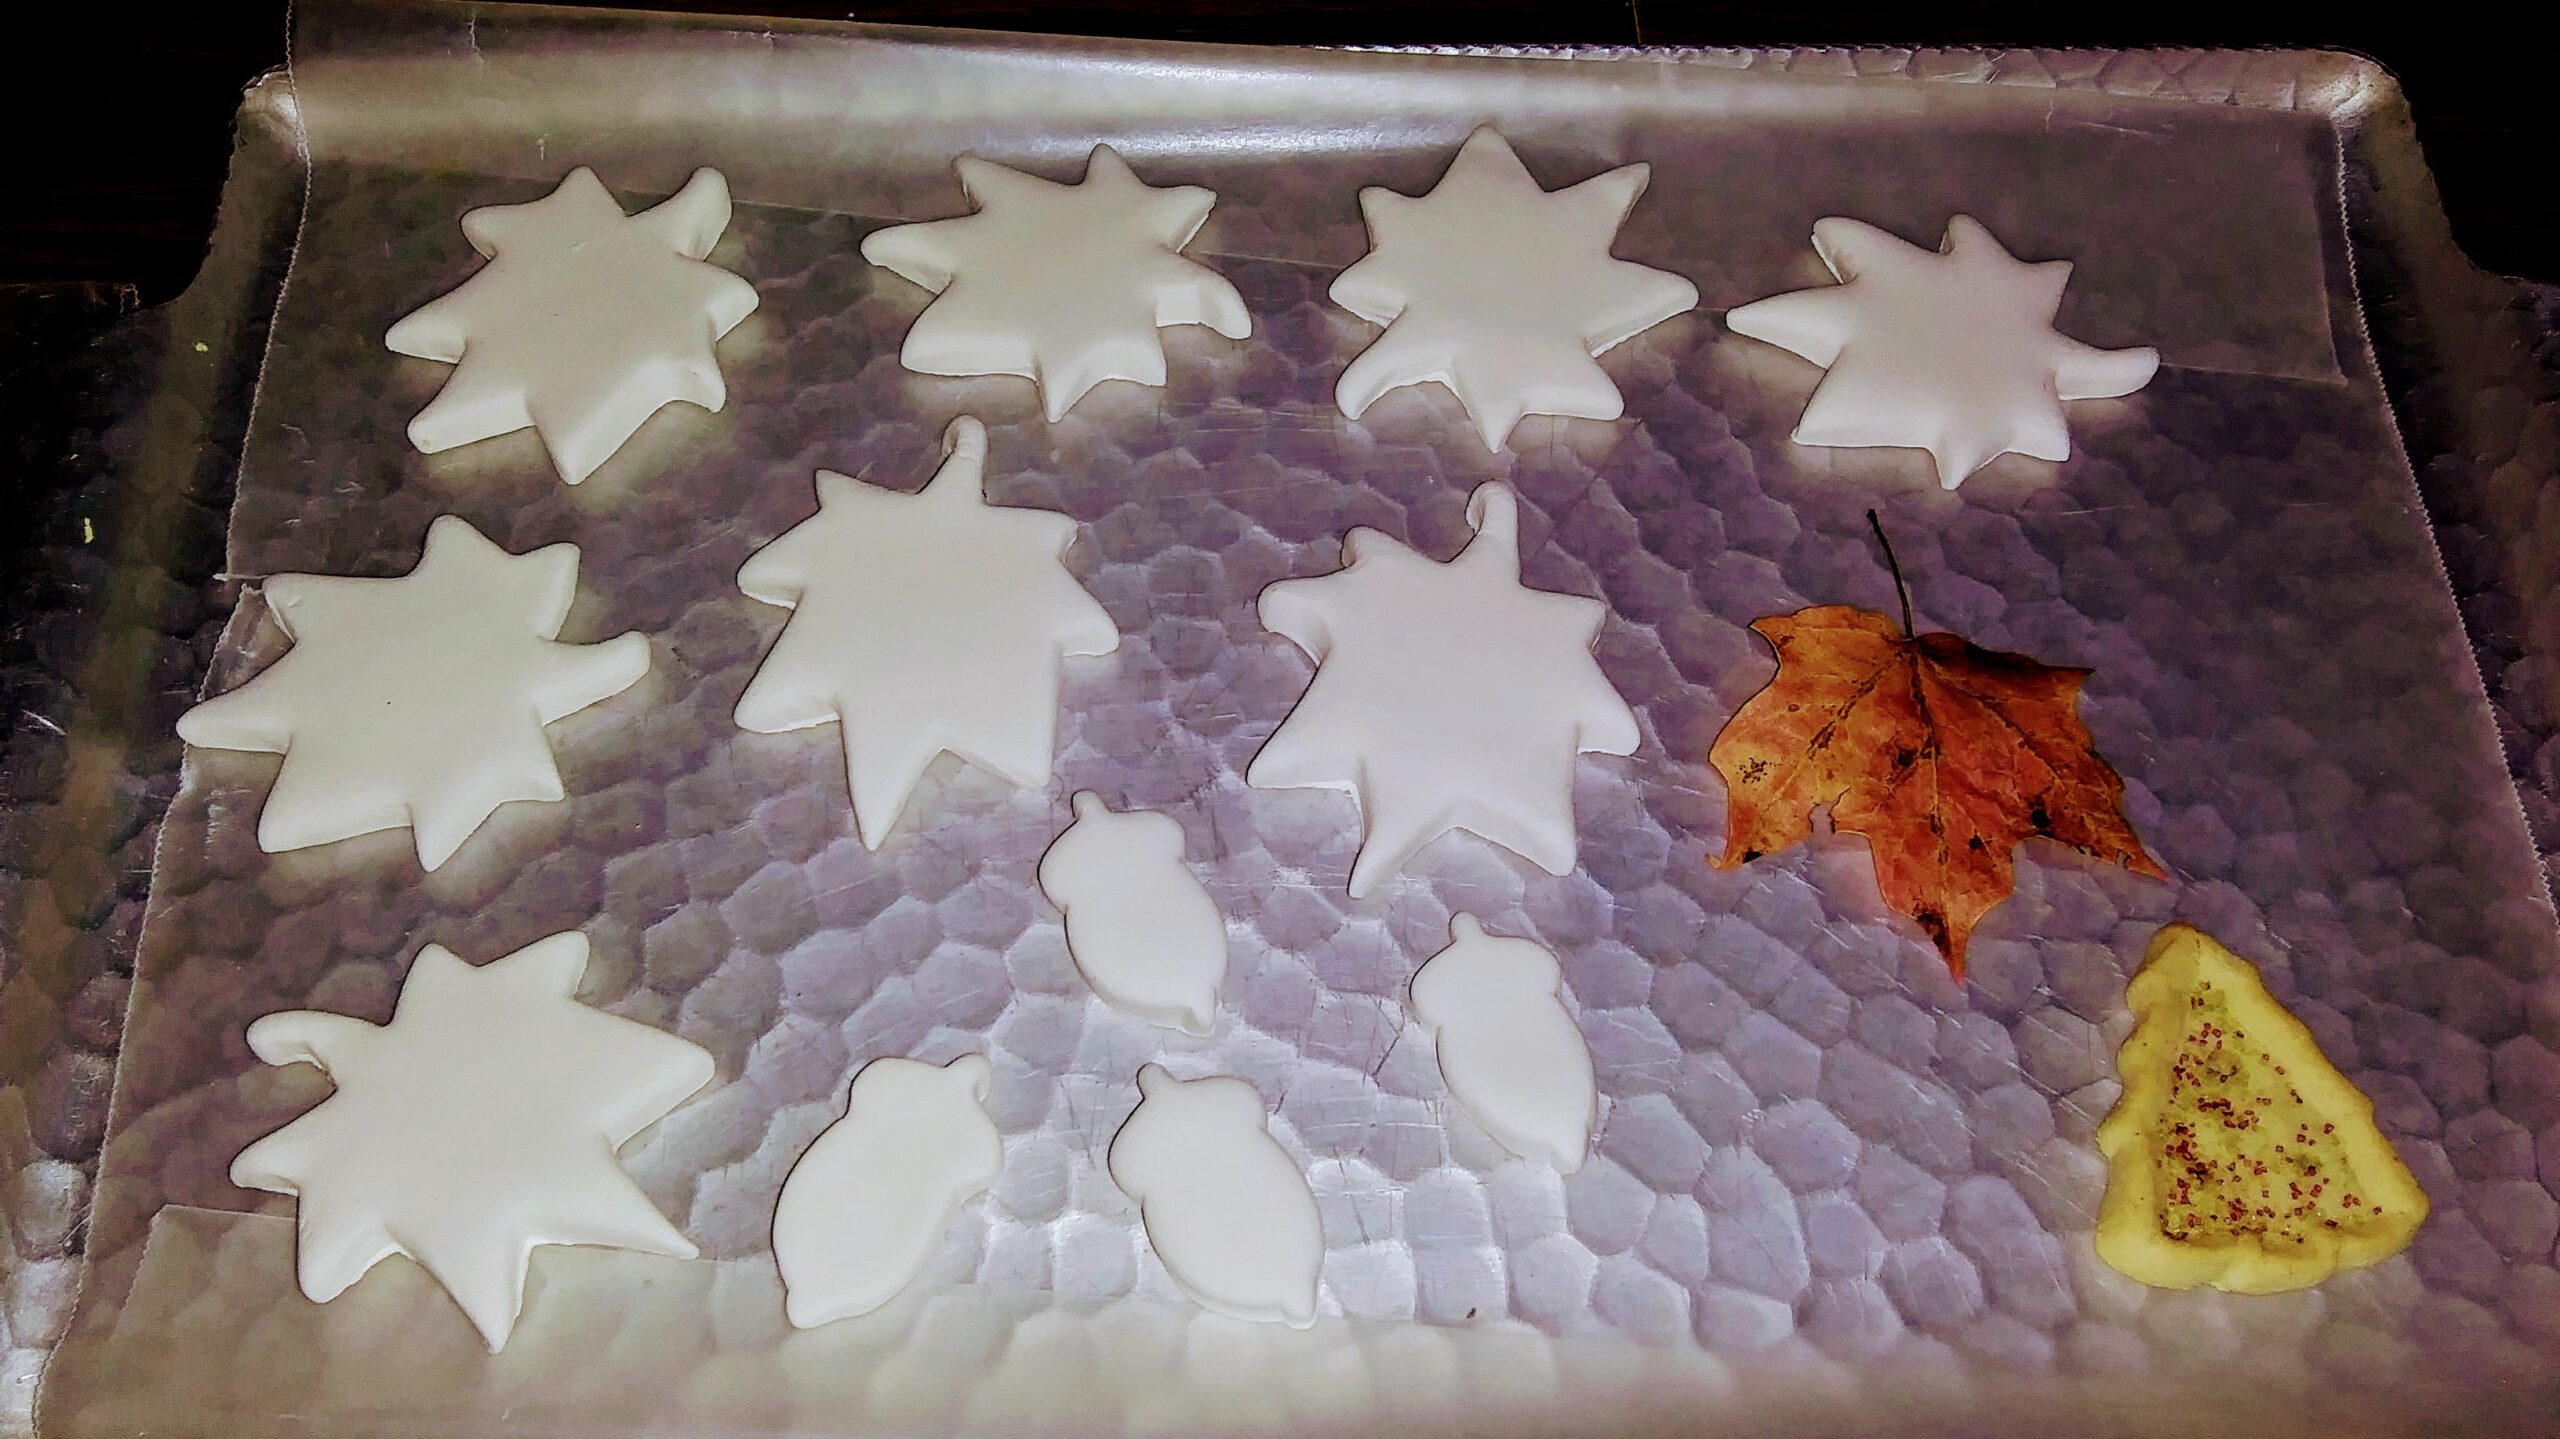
(870, 1198)
(584, 323)
(479, 1123)
(1064, 285)
(1502, 291)
(416, 702)
(1509, 1049)
(1225, 1207)
(922, 623)
(1141, 927)
(1446, 695)
(1951, 351)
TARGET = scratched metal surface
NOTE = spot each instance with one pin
(1826, 1175)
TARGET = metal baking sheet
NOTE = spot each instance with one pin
(1831, 1186)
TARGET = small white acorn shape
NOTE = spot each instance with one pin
(1509, 1049)
(1141, 927)
(870, 1198)
(1228, 1211)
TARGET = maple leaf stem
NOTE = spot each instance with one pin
(1902, 591)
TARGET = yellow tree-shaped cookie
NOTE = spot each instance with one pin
(2239, 1157)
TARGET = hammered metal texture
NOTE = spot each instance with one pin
(1816, 1148)
(76, 826)
(121, 454)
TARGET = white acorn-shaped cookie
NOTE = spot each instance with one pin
(870, 1198)
(1140, 926)
(1226, 1208)
(1509, 1049)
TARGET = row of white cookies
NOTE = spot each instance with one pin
(484, 1120)
(1448, 695)
(586, 321)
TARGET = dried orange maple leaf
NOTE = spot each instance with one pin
(1942, 753)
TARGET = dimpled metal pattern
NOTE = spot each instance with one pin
(1815, 1147)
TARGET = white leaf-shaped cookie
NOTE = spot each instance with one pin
(922, 623)
(1509, 1049)
(1446, 695)
(1502, 291)
(1226, 1208)
(1140, 926)
(870, 1198)
(1952, 351)
(1065, 285)
(479, 1123)
(416, 702)
(584, 323)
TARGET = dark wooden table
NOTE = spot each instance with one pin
(114, 167)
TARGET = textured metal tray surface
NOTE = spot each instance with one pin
(126, 451)
(1825, 1171)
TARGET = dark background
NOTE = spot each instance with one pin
(110, 173)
